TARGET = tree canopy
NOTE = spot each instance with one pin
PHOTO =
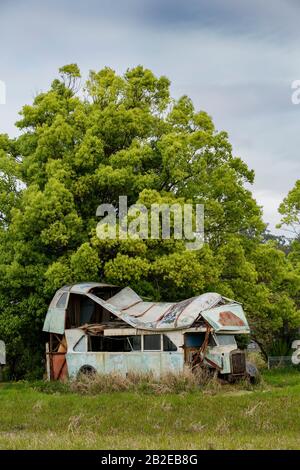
(84, 145)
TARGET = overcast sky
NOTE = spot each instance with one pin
(235, 59)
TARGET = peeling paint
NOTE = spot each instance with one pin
(85, 322)
(122, 363)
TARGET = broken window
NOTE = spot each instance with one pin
(114, 343)
(87, 309)
(194, 340)
(61, 303)
(83, 310)
(168, 345)
(226, 340)
(135, 342)
(105, 293)
(192, 343)
(152, 342)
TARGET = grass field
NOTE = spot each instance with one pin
(266, 417)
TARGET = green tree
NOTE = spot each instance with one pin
(124, 135)
(290, 221)
(290, 210)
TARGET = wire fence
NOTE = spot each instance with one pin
(281, 361)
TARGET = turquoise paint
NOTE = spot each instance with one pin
(122, 363)
(55, 321)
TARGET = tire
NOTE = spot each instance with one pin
(87, 371)
(252, 373)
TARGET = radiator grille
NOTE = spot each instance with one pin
(238, 362)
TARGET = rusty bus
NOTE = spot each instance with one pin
(96, 327)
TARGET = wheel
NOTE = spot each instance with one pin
(252, 373)
(87, 370)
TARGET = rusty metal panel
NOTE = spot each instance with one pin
(159, 315)
(183, 314)
(221, 313)
(238, 362)
(125, 299)
(228, 317)
(59, 369)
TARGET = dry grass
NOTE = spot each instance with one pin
(214, 416)
(147, 383)
(181, 382)
(257, 359)
(136, 382)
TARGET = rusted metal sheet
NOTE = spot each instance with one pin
(129, 307)
(221, 313)
(58, 366)
(229, 317)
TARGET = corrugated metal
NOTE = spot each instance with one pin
(129, 307)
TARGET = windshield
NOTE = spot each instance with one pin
(226, 340)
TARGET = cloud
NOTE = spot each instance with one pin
(235, 59)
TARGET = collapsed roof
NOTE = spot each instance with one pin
(221, 313)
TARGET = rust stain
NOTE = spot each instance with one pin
(213, 364)
(230, 319)
(59, 366)
(175, 310)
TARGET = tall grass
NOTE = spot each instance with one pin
(201, 379)
(229, 418)
(136, 382)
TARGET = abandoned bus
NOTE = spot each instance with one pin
(96, 327)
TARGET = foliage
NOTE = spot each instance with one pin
(280, 348)
(290, 210)
(80, 146)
